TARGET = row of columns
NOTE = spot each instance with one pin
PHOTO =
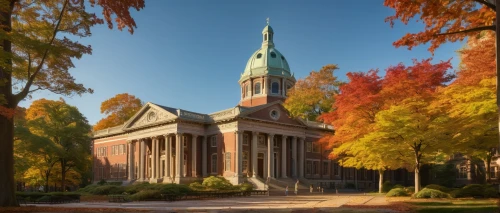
(297, 163)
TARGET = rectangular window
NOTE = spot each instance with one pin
(102, 152)
(262, 140)
(308, 146)
(213, 140)
(246, 139)
(184, 142)
(315, 147)
(462, 172)
(493, 172)
(316, 167)
(336, 169)
(325, 168)
(275, 142)
(227, 160)
(308, 167)
(244, 162)
(214, 163)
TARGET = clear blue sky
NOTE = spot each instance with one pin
(189, 54)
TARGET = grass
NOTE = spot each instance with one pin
(455, 206)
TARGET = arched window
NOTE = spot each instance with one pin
(275, 88)
(257, 88)
(213, 164)
(246, 90)
(273, 55)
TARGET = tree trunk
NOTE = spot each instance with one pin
(47, 175)
(417, 179)
(7, 182)
(380, 180)
(488, 169)
(63, 173)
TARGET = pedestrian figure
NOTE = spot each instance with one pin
(322, 190)
(296, 186)
(311, 188)
(286, 191)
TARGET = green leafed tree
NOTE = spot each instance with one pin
(313, 95)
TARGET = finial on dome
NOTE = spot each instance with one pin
(267, 20)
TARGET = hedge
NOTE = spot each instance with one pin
(431, 193)
(475, 190)
(438, 187)
(397, 192)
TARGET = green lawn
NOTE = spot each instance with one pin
(460, 206)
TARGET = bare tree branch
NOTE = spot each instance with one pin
(487, 4)
(492, 27)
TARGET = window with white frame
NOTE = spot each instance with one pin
(462, 172)
(246, 139)
(213, 140)
(308, 146)
(102, 152)
(213, 163)
(257, 88)
(275, 87)
(244, 162)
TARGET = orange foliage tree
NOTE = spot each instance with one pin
(444, 20)
(37, 53)
(118, 110)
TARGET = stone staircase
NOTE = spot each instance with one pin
(258, 183)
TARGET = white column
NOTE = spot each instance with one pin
(178, 157)
(283, 87)
(204, 157)
(301, 157)
(157, 158)
(130, 160)
(270, 156)
(255, 138)
(294, 157)
(239, 153)
(153, 158)
(283, 156)
(167, 158)
(141, 159)
(193, 156)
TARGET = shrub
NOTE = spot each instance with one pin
(136, 187)
(101, 182)
(397, 192)
(430, 193)
(246, 187)
(217, 183)
(106, 190)
(438, 187)
(30, 195)
(398, 186)
(173, 188)
(475, 190)
(146, 195)
(88, 189)
(410, 189)
(387, 186)
(196, 186)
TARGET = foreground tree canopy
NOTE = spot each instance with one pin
(37, 53)
(118, 110)
(55, 137)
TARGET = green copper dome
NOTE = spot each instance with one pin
(267, 60)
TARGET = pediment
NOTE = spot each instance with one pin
(150, 114)
(274, 112)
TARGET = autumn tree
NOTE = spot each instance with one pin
(66, 128)
(37, 53)
(470, 102)
(313, 95)
(118, 110)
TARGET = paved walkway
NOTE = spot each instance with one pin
(292, 203)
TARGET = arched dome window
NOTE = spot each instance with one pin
(246, 90)
(275, 87)
(257, 88)
(273, 55)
